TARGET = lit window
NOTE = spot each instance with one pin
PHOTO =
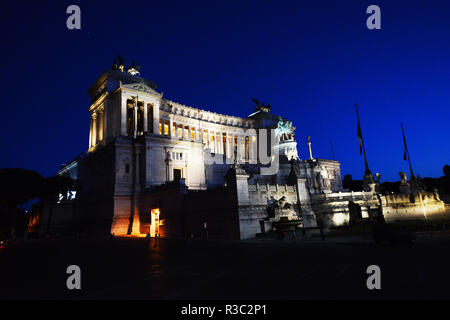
(174, 129)
(192, 133)
(247, 148)
(180, 131)
(186, 132)
(166, 128)
(205, 136)
(160, 126)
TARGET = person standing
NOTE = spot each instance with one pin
(156, 240)
(322, 233)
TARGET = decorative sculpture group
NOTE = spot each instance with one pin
(403, 178)
(261, 106)
(132, 69)
(284, 130)
(280, 204)
(295, 167)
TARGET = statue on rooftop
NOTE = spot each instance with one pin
(133, 69)
(377, 181)
(403, 177)
(284, 130)
(261, 106)
(121, 64)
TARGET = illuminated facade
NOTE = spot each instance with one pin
(156, 166)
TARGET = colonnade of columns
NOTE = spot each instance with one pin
(220, 142)
(148, 120)
(97, 127)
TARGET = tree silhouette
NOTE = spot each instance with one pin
(17, 187)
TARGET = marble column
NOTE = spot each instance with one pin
(156, 117)
(94, 130)
(219, 142)
(227, 151)
(135, 112)
(101, 121)
(253, 149)
(170, 125)
(90, 130)
(123, 114)
(145, 117)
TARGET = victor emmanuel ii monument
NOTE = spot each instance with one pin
(157, 166)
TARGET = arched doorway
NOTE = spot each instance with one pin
(154, 225)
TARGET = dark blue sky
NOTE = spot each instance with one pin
(312, 60)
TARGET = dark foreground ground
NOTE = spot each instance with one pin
(134, 269)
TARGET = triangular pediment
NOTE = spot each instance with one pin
(140, 86)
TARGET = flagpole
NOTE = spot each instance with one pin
(367, 172)
(407, 153)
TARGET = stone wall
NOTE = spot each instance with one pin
(185, 211)
(341, 208)
(412, 207)
(254, 198)
(57, 219)
(218, 208)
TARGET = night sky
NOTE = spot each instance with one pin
(310, 59)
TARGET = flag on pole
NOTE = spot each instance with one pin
(360, 138)
(359, 132)
(404, 144)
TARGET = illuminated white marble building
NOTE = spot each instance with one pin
(149, 168)
(157, 166)
(172, 136)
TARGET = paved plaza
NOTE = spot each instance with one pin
(134, 269)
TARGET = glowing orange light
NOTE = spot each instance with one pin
(155, 222)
